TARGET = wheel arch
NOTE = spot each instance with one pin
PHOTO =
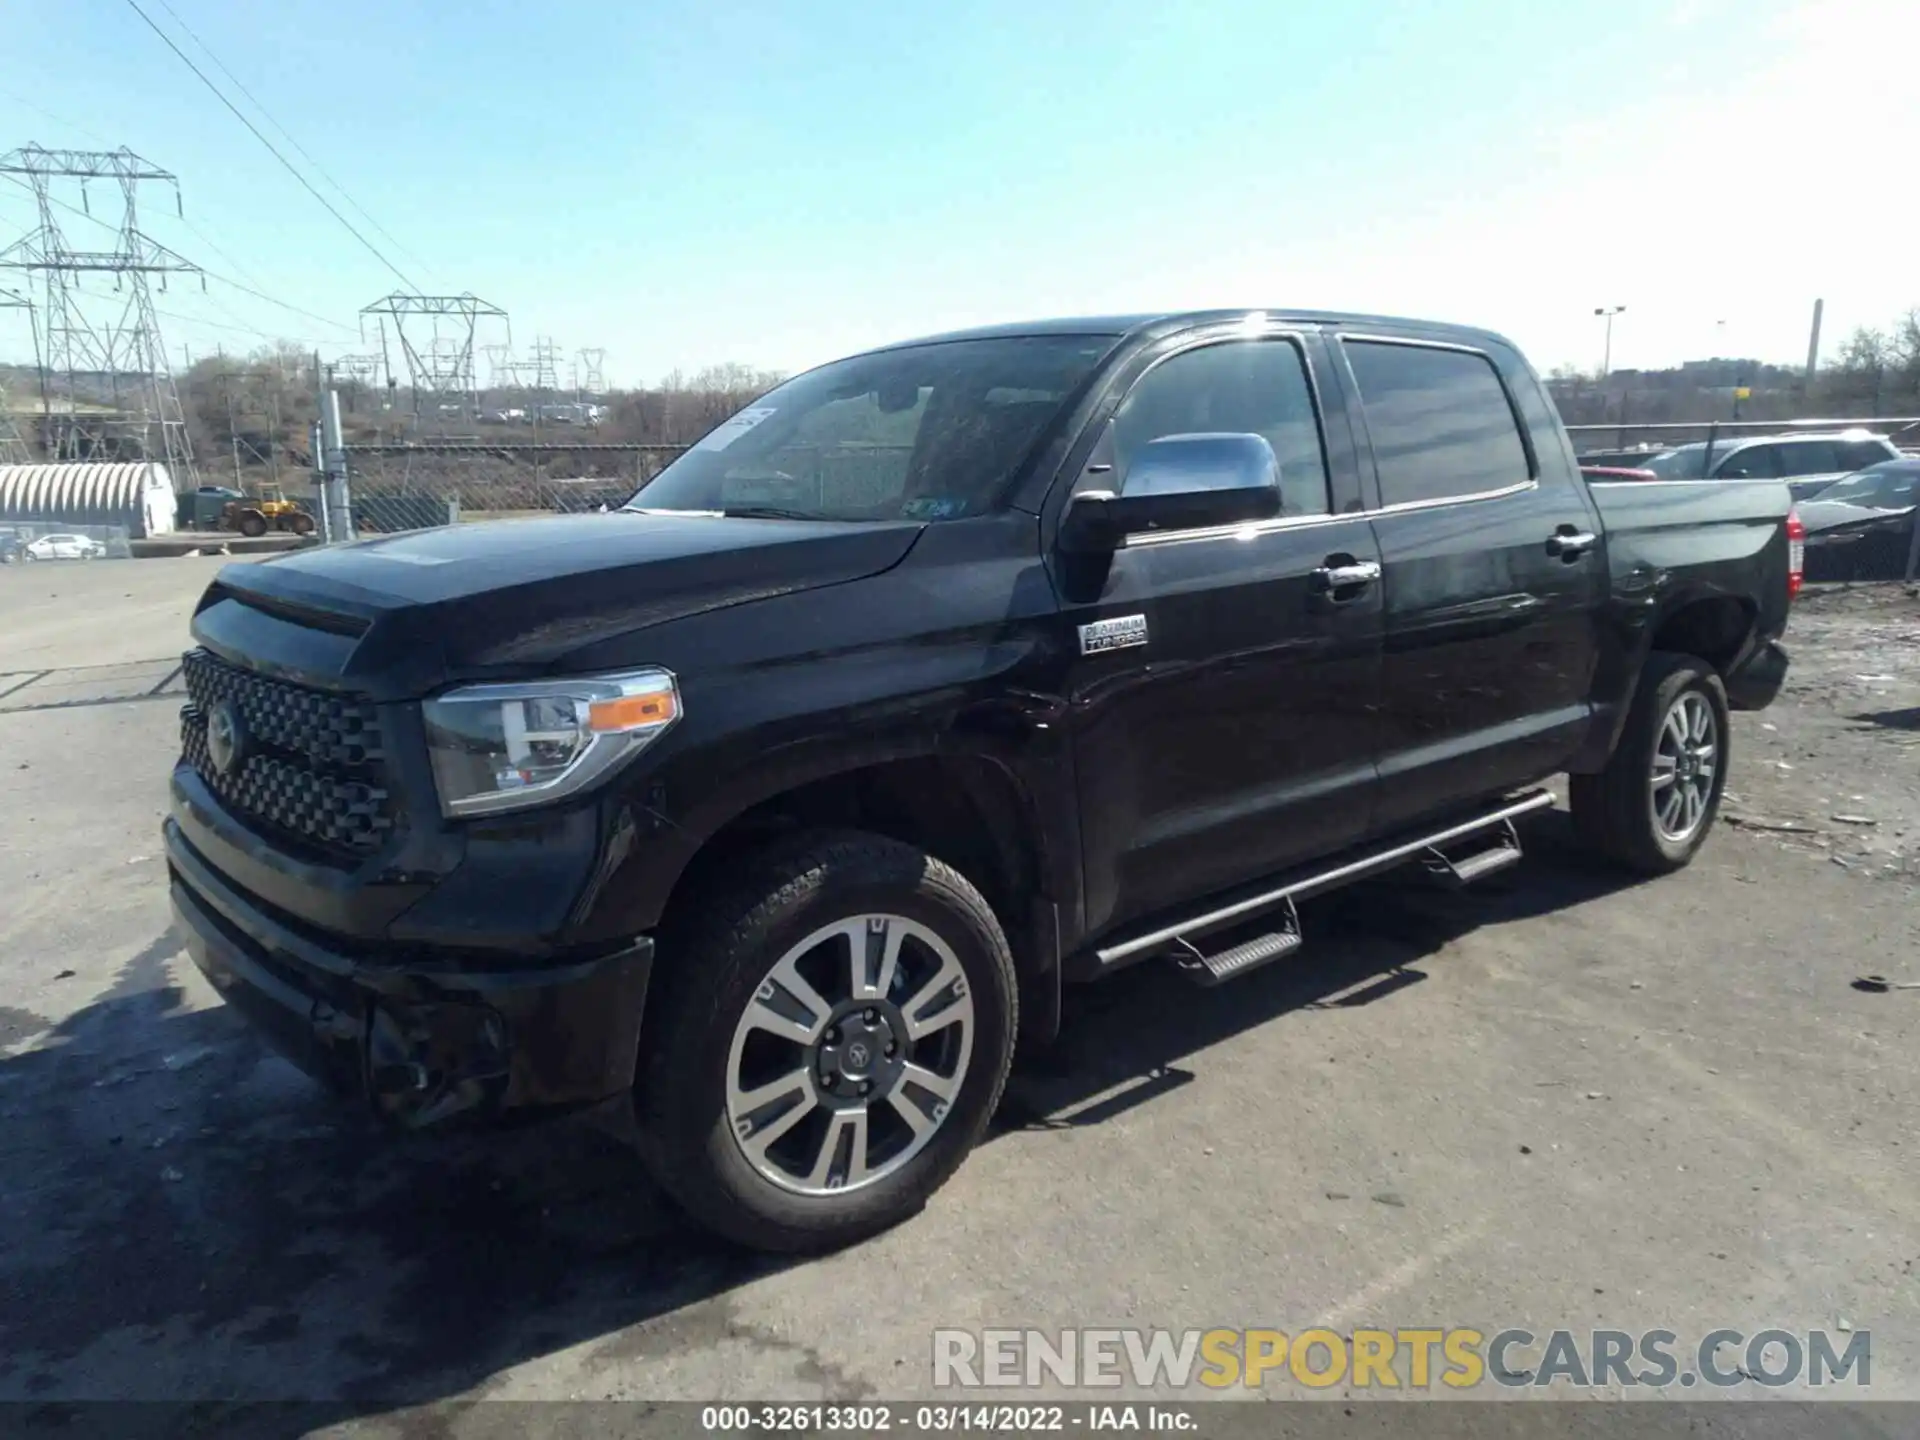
(974, 810)
(1711, 624)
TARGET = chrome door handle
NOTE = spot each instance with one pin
(1570, 544)
(1344, 582)
(1341, 577)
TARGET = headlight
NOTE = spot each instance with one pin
(505, 747)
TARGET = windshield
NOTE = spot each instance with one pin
(1884, 487)
(926, 432)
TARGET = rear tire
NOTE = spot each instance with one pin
(764, 1072)
(252, 524)
(1650, 809)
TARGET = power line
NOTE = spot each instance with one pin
(201, 236)
(49, 115)
(262, 295)
(242, 324)
(254, 291)
(240, 85)
(253, 287)
(239, 329)
(187, 60)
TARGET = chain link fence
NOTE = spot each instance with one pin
(1880, 554)
(24, 542)
(414, 486)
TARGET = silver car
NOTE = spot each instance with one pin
(1807, 462)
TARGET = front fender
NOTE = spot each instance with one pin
(659, 824)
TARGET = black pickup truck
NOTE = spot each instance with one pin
(773, 810)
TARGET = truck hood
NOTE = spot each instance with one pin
(521, 593)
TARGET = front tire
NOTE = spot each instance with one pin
(825, 1043)
(1650, 809)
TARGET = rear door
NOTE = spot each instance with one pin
(1808, 466)
(1495, 572)
(1231, 732)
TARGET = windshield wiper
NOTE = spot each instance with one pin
(768, 512)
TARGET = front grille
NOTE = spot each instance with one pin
(309, 764)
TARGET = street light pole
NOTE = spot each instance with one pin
(1607, 312)
(1739, 366)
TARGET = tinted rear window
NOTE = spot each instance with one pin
(1439, 420)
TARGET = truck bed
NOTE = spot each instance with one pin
(1704, 535)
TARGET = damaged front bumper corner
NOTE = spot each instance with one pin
(421, 1041)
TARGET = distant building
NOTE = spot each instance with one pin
(139, 497)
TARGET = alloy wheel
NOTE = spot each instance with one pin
(1686, 758)
(850, 1055)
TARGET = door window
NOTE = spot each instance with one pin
(1256, 387)
(1756, 462)
(1859, 454)
(1440, 422)
(1809, 457)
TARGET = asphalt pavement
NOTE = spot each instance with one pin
(1561, 1100)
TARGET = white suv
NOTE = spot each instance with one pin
(1808, 463)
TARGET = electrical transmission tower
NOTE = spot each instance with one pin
(360, 369)
(438, 348)
(360, 377)
(590, 377)
(105, 350)
(545, 365)
(13, 449)
(502, 372)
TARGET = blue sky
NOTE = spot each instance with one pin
(777, 183)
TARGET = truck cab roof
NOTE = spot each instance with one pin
(1150, 325)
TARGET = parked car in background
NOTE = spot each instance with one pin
(64, 547)
(1632, 458)
(1861, 528)
(1890, 485)
(1808, 463)
(12, 548)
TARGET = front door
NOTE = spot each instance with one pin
(1495, 575)
(1223, 684)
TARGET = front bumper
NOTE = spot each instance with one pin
(422, 1037)
(1754, 684)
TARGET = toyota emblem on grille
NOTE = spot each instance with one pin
(226, 738)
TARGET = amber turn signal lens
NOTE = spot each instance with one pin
(632, 712)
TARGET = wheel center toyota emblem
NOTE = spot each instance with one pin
(857, 1056)
(226, 738)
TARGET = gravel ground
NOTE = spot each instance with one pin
(1563, 1099)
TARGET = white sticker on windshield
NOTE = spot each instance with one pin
(724, 434)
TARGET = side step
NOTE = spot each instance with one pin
(1283, 938)
(1205, 969)
(1461, 870)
